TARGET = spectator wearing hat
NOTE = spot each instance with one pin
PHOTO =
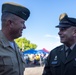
(13, 22)
(62, 59)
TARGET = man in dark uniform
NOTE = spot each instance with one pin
(13, 19)
(62, 59)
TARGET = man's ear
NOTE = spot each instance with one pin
(9, 22)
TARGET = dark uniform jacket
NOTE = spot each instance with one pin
(11, 61)
(58, 64)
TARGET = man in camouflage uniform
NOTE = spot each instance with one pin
(13, 19)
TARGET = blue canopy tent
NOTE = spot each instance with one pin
(31, 51)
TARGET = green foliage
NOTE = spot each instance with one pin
(25, 44)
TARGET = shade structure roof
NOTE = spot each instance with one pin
(31, 51)
(42, 52)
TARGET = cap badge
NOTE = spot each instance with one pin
(62, 16)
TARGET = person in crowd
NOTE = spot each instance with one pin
(13, 22)
(62, 59)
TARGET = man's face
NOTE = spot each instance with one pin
(66, 35)
(17, 27)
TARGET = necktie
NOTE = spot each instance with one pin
(68, 51)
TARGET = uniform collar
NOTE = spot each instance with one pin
(70, 47)
(3, 39)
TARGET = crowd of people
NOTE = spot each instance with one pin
(35, 59)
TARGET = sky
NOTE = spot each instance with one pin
(40, 26)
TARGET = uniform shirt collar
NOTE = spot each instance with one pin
(3, 39)
(70, 47)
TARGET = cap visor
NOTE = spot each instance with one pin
(61, 26)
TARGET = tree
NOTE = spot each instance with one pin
(25, 44)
